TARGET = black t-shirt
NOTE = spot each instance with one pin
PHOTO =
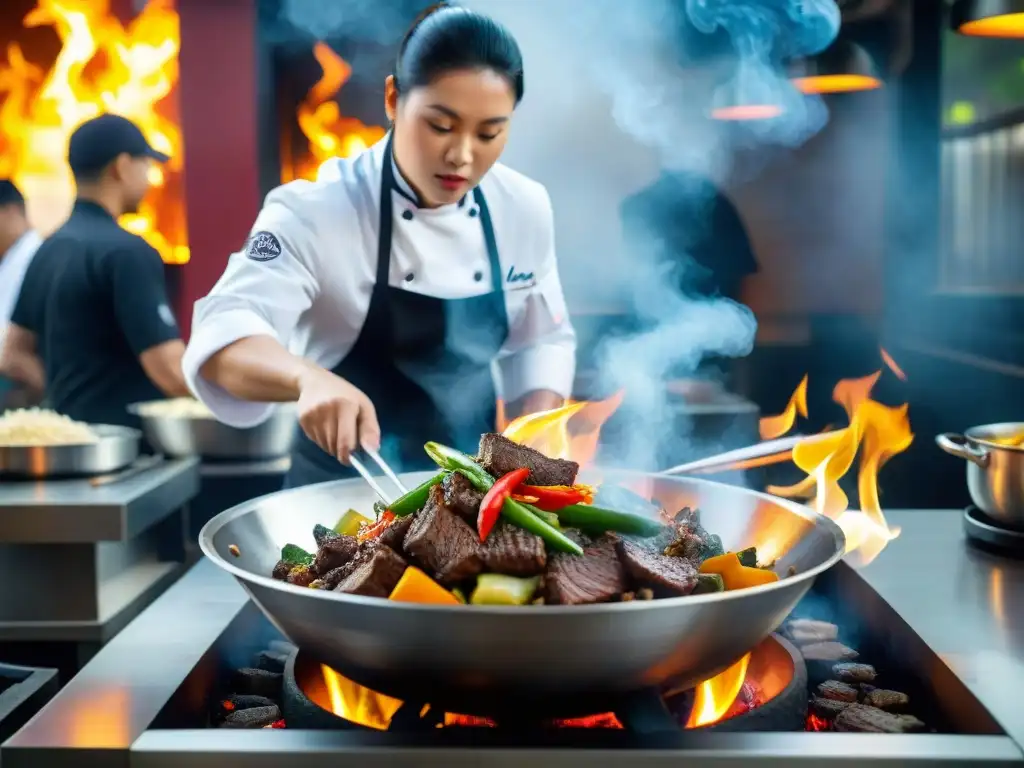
(96, 299)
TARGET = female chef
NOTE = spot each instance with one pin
(383, 296)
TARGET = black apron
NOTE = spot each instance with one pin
(425, 363)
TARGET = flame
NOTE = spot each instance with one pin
(891, 364)
(102, 67)
(570, 432)
(358, 704)
(772, 427)
(836, 84)
(715, 697)
(877, 432)
(328, 132)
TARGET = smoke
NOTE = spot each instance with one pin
(363, 20)
(616, 94)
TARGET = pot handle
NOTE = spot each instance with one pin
(957, 445)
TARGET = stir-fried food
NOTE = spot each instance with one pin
(513, 527)
(39, 427)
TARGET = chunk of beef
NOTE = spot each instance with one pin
(499, 456)
(394, 534)
(673, 574)
(281, 570)
(462, 497)
(334, 552)
(301, 576)
(595, 577)
(376, 576)
(515, 552)
(443, 542)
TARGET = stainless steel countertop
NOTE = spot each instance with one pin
(957, 600)
(73, 511)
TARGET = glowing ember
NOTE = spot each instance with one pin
(746, 112)
(891, 365)
(329, 133)
(102, 67)
(715, 697)
(815, 723)
(570, 432)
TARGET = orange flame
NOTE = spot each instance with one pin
(715, 697)
(328, 132)
(877, 432)
(102, 67)
(358, 704)
(772, 427)
(570, 432)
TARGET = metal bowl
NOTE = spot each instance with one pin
(208, 438)
(116, 447)
(995, 469)
(552, 658)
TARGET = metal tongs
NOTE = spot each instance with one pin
(371, 480)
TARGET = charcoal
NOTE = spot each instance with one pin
(257, 682)
(830, 651)
(394, 534)
(514, 552)
(270, 661)
(854, 673)
(375, 577)
(672, 574)
(499, 456)
(301, 576)
(443, 542)
(833, 689)
(596, 577)
(828, 708)
(260, 717)
(461, 497)
(888, 700)
(858, 718)
(808, 631)
(334, 553)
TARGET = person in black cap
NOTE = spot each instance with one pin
(21, 378)
(95, 296)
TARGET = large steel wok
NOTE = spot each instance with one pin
(479, 659)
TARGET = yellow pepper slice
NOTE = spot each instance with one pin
(416, 587)
(734, 574)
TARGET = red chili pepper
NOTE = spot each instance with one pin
(494, 499)
(375, 530)
(552, 498)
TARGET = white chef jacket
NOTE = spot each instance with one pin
(314, 297)
(12, 271)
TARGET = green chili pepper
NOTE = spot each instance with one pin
(415, 499)
(596, 518)
(513, 511)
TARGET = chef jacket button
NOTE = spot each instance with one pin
(409, 277)
(407, 215)
(472, 212)
(478, 276)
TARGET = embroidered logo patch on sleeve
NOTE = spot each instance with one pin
(263, 246)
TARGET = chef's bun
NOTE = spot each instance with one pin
(448, 37)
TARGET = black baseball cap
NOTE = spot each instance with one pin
(10, 194)
(95, 143)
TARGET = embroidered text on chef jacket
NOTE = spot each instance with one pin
(307, 271)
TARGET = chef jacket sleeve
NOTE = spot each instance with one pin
(139, 290)
(264, 290)
(540, 351)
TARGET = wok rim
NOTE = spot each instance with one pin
(222, 519)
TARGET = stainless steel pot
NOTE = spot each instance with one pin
(116, 447)
(181, 435)
(995, 469)
(547, 657)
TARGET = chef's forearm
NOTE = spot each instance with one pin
(257, 368)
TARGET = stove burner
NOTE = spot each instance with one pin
(773, 698)
(988, 535)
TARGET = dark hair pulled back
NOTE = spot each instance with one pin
(448, 37)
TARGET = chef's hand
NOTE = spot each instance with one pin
(335, 415)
